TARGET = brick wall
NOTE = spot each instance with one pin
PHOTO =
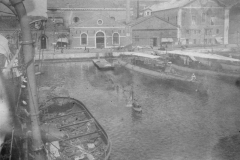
(86, 15)
(234, 26)
(75, 36)
(143, 37)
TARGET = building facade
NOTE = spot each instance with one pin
(73, 11)
(99, 32)
(201, 22)
(234, 25)
(153, 31)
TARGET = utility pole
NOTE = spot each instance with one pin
(28, 51)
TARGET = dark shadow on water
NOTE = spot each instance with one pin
(109, 79)
(227, 148)
(189, 88)
(136, 116)
(230, 80)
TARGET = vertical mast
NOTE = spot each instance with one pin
(32, 90)
(127, 11)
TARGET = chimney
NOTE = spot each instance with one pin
(137, 8)
(127, 11)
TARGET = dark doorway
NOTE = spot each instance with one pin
(154, 42)
(43, 42)
(100, 40)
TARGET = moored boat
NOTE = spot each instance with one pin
(103, 64)
(163, 71)
(84, 137)
(158, 73)
(136, 107)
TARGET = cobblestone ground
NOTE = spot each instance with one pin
(176, 124)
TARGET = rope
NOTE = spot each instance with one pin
(11, 144)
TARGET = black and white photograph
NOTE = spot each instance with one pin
(119, 79)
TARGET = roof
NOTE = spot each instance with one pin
(142, 19)
(170, 5)
(203, 55)
(107, 22)
(83, 4)
(229, 2)
(139, 54)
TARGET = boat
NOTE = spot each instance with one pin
(205, 63)
(103, 64)
(62, 128)
(83, 137)
(151, 66)
(155, 71)
(136, 107)
(133, 103)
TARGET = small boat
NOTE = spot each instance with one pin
(103, 64)
(84, 137)
(136, 107)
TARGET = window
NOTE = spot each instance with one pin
(137, 38)
(212, 21)
(115, 38)
(188, 31)
(75, 19)
(113, 18)
(208, 31)
(209, 41)
(187, 41)
(194, 20)
(83, 39)
(148, 13)
(168, 18)
(205, 41)
(195, 41)
(100, 22)
(217, 31)
(203, 17)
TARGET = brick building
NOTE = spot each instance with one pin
(201, 22)
(234, 25)
(99, 32)
(153, 31)
(73, 11)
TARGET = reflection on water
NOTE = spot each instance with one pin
(177, 123)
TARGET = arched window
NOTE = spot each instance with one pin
(115, 38)
(100, 34)
(83, 39)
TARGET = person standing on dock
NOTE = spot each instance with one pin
(193, 78)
